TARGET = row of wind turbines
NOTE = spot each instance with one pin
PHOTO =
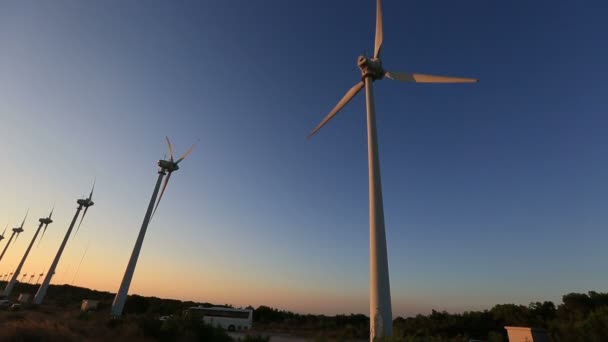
(380, 310)
(166, 168)
(5, 276)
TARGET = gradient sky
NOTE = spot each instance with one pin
(494, 192)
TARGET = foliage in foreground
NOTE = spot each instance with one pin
(580, 317)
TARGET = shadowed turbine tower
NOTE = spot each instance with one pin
(17, 230)
(372, 70)
(82, 203)
(45, 221)
(166, 168)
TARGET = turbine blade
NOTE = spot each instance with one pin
(170, 148)
(81, 219)
(23, 222)
(347, 97)
(187, 152)
(93, 188)
(52, 210)
(379, 31)
(5, 229)
(16, 238)
(161, 194)
(43, 231)
(422, 78)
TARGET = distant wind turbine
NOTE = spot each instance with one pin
(167, 167)
(39, 276)
(31, 278)
(23, 277)
(45, 221)
(372, 70)
(17, 230)
(82, 203)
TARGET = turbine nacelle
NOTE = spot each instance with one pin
(168, 165)
(85, 202)
(45, 220)
(18, 230)
(370, 67)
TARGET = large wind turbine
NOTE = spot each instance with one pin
(82, 203)
(17, 230)
(45, 221)
(381, 319)
(166, 168)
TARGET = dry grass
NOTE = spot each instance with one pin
(50, 324)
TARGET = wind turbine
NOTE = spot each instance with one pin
(17, 230)
(167, 167)
(31, 278)
(23, 277)
(39, 276)
(45, 221)
(372, 70)
(2, 235)
(82, 203)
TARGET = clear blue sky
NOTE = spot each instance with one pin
(494, 192)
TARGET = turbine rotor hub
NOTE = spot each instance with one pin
(85, 202)
(45, 220)
(167, 165)
(18, 230)
(370, 67)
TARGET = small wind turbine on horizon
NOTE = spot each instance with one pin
(39, 276)
(17, 230)
(372, 70)
(82, 203)
(23, 277)
(45, 221)
(167, 167)
(31, 278)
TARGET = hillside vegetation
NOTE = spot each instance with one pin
(580, 317)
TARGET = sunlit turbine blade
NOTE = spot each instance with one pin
(170, 148)
(22, 223)
(161, 194)
(379, 32)
(81, 219)
(187, 152)
(52, 210)
(347, 97)
(422, 78)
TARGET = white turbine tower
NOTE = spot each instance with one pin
(166, 168)
(17, 230)
(45, 221)
(82, 203)
(381, 320)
